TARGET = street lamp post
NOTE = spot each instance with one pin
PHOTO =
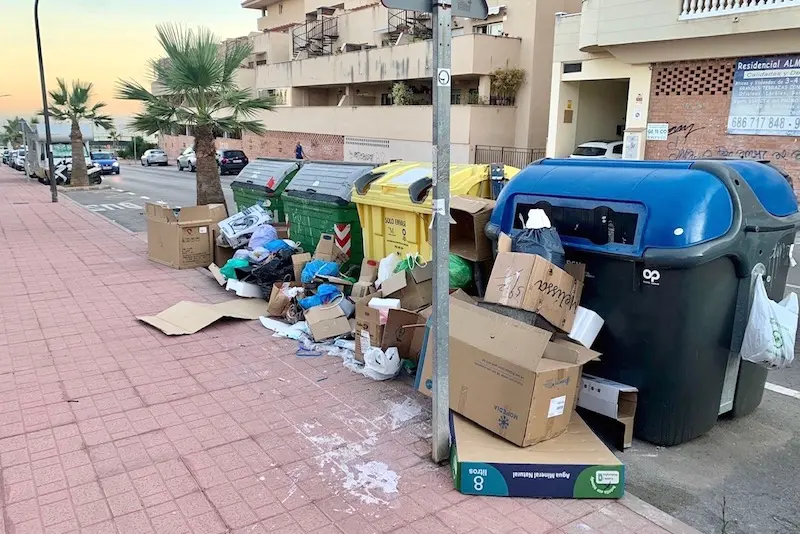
(48, 139)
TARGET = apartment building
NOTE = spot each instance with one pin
(679, 79)
(353, 80)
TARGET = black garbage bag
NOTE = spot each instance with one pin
(543, 242)
(277, 269)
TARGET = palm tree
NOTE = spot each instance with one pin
(12, 132)
(197, 88)
(72, 104)
(114, 136)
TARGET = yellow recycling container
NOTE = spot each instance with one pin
(394, 204)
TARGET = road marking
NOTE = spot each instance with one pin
(145, 198)
(130, 193)
(782, 390)
(112, 207)
(160, 202)
(118, 190)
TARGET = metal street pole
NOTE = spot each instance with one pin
(442, 37)
(45, 111)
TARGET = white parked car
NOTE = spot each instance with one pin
(19, 160)
(187, 160)
(598, 149)
(154, 156)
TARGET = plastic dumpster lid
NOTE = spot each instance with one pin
(679, 203)
(332, 179)
(268, 173)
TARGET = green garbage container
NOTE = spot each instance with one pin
(318, 201)
(261, 182)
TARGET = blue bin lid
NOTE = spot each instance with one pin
(678, 203)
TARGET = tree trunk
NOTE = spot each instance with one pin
(209, 186)
(79, 177)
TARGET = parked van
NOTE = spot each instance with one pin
(62, 153)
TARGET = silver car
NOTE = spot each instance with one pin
(187, 160)
(154, 156)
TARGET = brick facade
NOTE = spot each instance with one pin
(694, 99)
(271, 144)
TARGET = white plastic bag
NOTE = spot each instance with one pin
(386, 268)
(380, 365)
(771, 329)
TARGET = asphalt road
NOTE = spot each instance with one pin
(136, 185)
(750, 467)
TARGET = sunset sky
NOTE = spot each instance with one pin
(98, 41)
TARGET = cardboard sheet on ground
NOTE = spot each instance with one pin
(187, 317)
(574, 465)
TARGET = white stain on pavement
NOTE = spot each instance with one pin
(369, 477)
(403, 412)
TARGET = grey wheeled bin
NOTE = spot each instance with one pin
(671, 249)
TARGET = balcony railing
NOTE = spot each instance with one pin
(693, 9)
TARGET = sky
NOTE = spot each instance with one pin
(114, 39)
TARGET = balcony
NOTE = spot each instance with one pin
(473, 54)
(631, 29)
(470, 125)
(694, 9)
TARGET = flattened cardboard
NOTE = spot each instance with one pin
(299, 261)
(187, 317)
(183, 241)
(574, 465)
(326, 322)
(554, 293)
(414, 288)
(467, 238)
(509, 279)
(610, 399)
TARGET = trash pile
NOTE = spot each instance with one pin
(516, 354)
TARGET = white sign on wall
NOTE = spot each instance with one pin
(657, 131)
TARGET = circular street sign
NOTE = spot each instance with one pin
(444, 77)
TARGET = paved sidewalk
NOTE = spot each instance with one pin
(109, 426)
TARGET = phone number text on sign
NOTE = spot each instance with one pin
(778, 125)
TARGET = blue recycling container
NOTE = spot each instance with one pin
(671, 249)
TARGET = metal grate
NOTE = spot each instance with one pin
(694, 79)
(515, 157)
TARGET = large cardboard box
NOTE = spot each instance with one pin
(530, 282)
(185, 240)
(413, 287)
(500, 379)
(327, 321)
(574, 465)
(467, 236)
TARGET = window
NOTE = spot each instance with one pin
(455, 97)
(278, 95)
(233, 154)
(280, 9)
(490, 29)
(386, 99)
(590, 151)
(617, 149)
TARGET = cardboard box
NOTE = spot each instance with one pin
(327, 250)
(467, 236)
(369, 330)
(221, 254)
(189, 317)
(610, 399)
(404, 330)
(414, 288)
(362, 289)
(326, 322)
(530, 282)
(574, 465)
(507, 386)
(183, 241)
(299, 261)
(369, 271)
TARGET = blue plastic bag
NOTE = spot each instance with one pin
(315, 267)
(276, 244)
(326, 293)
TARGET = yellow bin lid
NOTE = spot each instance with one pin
(408, 184)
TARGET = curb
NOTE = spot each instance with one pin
(98, 187)
(653, 514)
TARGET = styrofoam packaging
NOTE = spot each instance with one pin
(586, 327)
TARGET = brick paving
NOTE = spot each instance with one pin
(107, 426)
